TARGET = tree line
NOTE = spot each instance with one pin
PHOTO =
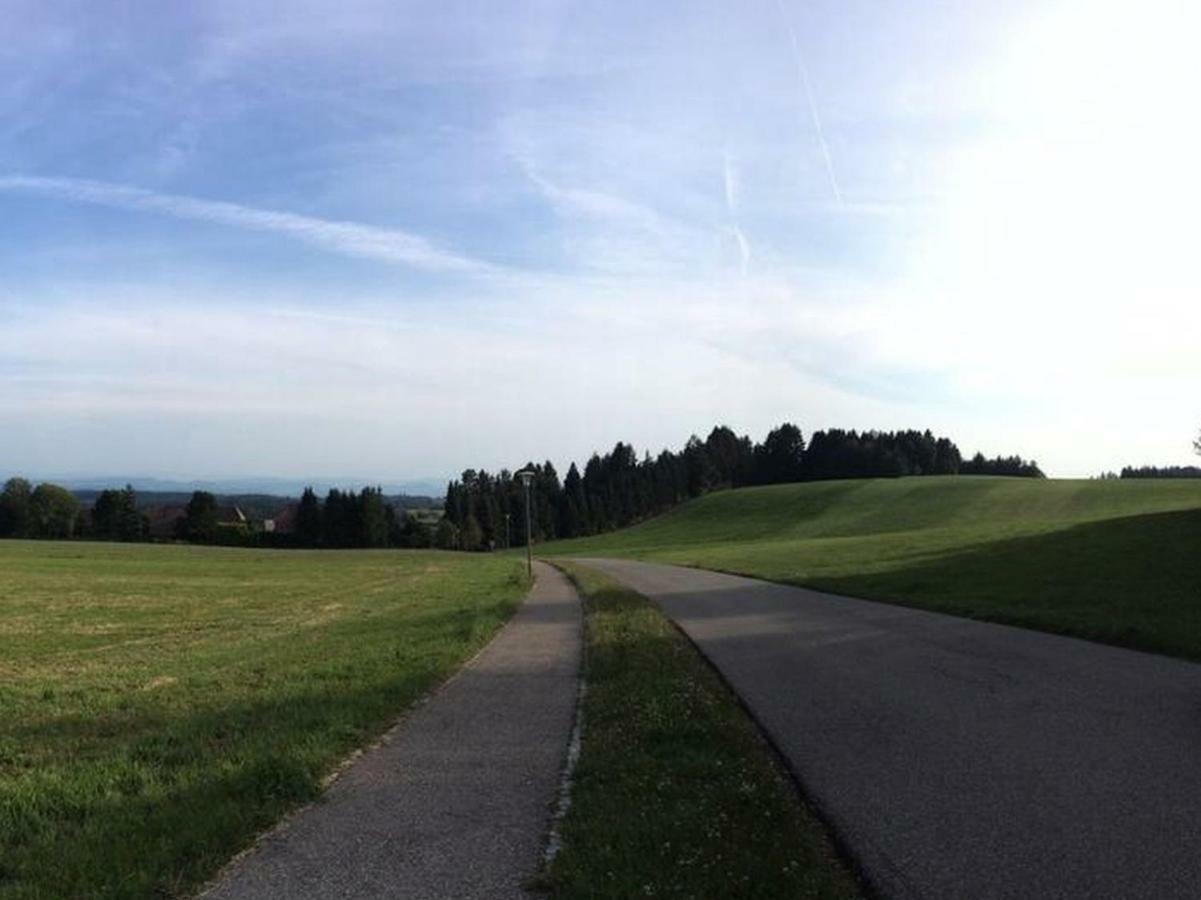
(363, 519)
(1012, 466)
(618, 488)
(343, 519)
(483, 510)
(53, 512)
(1161, 472)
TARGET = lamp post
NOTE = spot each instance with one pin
(527, 476)
(508, 532)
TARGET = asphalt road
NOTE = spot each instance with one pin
(457, 801)
(958, 759)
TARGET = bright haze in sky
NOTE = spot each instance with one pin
(399, 239)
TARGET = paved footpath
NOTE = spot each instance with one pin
(457, 801)
(959, 759)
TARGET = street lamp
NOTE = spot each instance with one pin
(527, 476)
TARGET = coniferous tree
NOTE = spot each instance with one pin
(341, 519)
(199, 522)
(452, 506)
(732, 456)
(446, 535)
(573, 516)
(701, 474)
(372, 525)
(105, 513)
(781, 456)
(115, 516)
(308, 519)
(471, 537)
(946, 458)
(134, 525)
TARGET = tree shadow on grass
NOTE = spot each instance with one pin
(1134, 581)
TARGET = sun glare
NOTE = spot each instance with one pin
(1075, 203)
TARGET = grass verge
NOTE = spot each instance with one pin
(160, 706)
(676, 793)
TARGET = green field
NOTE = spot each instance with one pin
(159, 706)
(1118, 561)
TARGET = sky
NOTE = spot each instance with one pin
(397, 239)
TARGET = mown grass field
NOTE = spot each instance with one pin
(676, 794)
(159, 706)
(1118, 561)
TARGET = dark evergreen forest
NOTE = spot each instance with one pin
(619, 488)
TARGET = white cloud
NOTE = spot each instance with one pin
(246, 387)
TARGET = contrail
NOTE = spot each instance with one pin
(744, 248)
(730, 182)
(348, 238)
(803, 75)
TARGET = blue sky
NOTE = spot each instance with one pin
(392, 240)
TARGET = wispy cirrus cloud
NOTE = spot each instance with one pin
(348, 238)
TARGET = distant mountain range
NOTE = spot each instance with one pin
(277, 487)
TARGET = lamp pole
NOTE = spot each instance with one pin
(527, 476)
(508, 532)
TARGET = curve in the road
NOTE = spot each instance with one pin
(960, 759)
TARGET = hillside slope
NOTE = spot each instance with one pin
(1111, 560)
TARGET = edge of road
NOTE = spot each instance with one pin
(841, 847)
(871, 891)
(394, 760)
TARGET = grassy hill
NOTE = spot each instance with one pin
(1118, 561)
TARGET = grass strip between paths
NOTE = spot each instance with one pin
(676, 793)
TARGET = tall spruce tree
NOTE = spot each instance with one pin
(372, 523)
(115, 516)
(308, 519)
(781, 456)
(199, 522)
